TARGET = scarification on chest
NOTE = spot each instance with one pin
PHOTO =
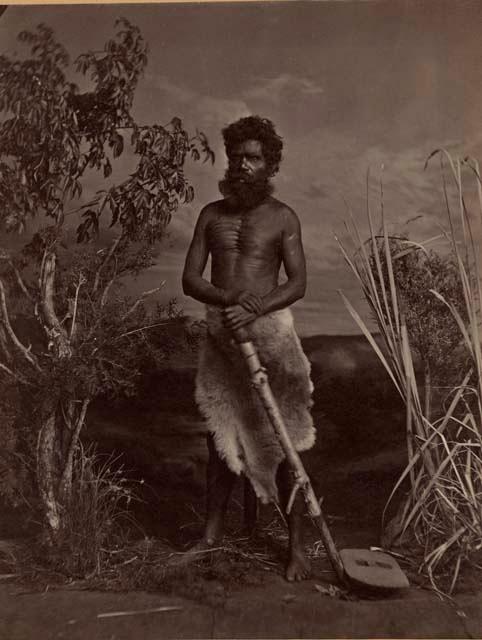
(231, 233)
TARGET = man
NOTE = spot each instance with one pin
(249, 235)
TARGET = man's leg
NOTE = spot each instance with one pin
(298, 566)
(220, 482)
(250, 507)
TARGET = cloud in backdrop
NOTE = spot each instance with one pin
(351, 86)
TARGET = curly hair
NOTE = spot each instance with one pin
(255, 128)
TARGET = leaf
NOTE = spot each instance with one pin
(115, 213)
(82, 233)
(77, 189)
(107, 168)
(176, 124)
(95, 223)
(189, 194)
(118, 147)
(91, 220)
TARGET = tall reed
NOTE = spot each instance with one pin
(441, 513)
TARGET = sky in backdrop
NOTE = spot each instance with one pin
(351, 87)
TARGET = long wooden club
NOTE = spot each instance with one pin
(260, 382)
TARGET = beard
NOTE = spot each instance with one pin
(246, 193)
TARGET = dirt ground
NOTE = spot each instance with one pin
(274, 609)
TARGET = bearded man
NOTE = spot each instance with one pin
(249, 234)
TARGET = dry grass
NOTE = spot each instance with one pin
(97, 522)
(108, 562)
(442, 511)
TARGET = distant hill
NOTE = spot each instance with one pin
(333, 355)
(352, 387)
(319, 341)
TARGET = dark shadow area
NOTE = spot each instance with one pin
(359, 454)
(159, 439)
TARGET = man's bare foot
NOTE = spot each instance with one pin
(298, 567)
(198, 552)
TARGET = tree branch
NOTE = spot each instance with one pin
(57, 332)
(149, 326)
(60, 204)
(66, 479)
(93, 202)
(127, 127)
(106, 291)
(82, 280)
(41, 270)
(114, 246)
(141, 298)
(20, 281)
(11, 333)
(17, 376)
(48, 289)
(3, 344)
(4, 255)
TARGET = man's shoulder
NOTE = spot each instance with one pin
(216, 205)
(285, 212)
(211, 209)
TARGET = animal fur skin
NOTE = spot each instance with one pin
(242, 432)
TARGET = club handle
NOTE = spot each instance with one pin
(330, 548)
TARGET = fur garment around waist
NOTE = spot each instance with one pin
(243, 435)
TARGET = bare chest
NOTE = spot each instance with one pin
(249, 235)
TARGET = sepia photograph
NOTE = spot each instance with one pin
(240, 320)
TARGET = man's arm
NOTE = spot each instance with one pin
(295, 267)
(285, 294)
(193, 284)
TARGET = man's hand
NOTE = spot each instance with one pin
(252, 302)
(237, 316)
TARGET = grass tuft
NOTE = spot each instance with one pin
(97, 522)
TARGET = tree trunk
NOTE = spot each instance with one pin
(57, 443)
(47, 474)
(56, 434)
(75, 426)
(55, 330)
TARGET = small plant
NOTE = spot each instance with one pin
(97, 521)
(442, 511)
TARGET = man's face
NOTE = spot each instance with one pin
(247, 163)
(246, 182)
